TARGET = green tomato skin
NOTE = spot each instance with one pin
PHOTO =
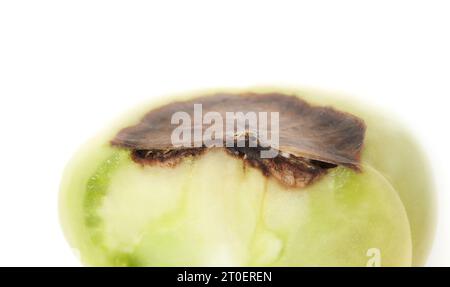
(117, 213)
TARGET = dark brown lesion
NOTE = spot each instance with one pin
(312, 139)
(290, 170)
(168, 157)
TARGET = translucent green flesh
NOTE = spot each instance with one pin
(214, 211)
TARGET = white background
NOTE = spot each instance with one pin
(67, 68)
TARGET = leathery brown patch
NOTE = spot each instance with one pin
(312, 139)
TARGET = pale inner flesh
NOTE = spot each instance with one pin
(213, 210)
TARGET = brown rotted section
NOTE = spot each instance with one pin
(312, 139)
(168, 157)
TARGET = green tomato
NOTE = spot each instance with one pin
(213, 210)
